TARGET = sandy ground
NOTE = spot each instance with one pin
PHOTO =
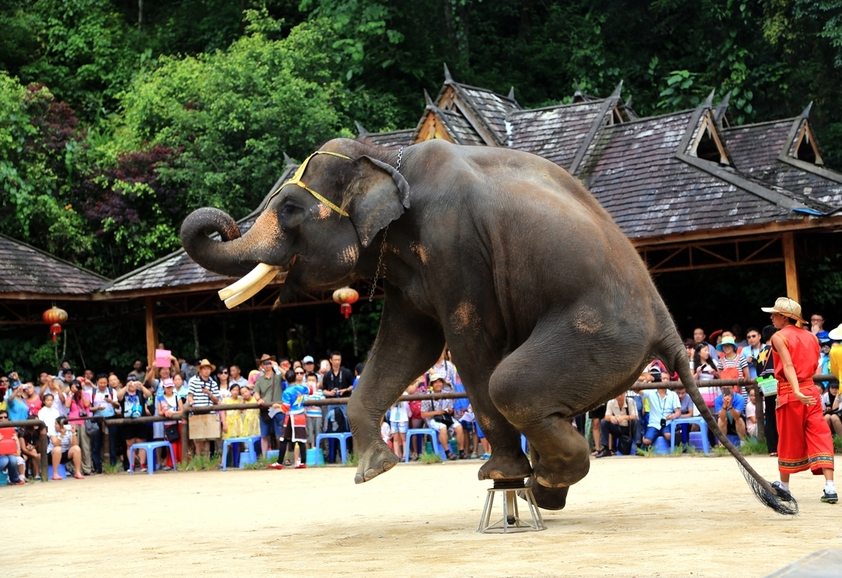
(660, 516)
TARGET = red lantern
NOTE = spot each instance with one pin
(345, 297)
(54, 316)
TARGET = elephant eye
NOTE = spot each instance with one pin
(289, 210)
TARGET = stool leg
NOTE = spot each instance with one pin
(343, 448)
(172, 456)
(150, 461)
(224, 455)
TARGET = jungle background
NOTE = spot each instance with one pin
(119, 117)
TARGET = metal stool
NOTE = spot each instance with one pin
(511, 521)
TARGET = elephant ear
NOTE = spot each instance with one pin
(376, 196)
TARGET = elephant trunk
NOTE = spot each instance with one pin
(234, 256)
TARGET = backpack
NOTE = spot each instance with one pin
(336, 421)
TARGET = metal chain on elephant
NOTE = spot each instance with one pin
(383, 243)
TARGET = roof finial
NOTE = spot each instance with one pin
(719, 113)
(709, 100)
(447, 77)
(511, 93)
(628, 103)
(578, 95)
(806, 113)
(360, 129)
(616, 93)
(427, 99)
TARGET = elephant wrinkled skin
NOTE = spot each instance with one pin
(545, 305)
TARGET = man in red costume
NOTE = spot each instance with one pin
(805, 441)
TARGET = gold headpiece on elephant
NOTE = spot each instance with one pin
(296, 180)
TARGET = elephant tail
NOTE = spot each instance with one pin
(674, 355)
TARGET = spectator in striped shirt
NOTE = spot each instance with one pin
(203, 391)
(313, 412)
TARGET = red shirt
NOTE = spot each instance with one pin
(804, 351)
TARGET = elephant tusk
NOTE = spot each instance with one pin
(250, 292)
(247, 292)
(255, 275)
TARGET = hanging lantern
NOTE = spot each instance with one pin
(54, 316)
(345, 297)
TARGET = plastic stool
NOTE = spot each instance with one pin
(247, 456)
(4, 478)
(341, 437)
(315, 457)
(703, 427)
(423, 431)
(150, 448)
(62, 471)
(734, 439)
(661, 446)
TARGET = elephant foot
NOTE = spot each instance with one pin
(558, 478)
(505, 468)
(376, 460)
(547, 498)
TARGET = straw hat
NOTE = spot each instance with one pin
(206, 363)
(835, 334)
(786, 307)
(266, 357)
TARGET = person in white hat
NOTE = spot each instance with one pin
(805, 442)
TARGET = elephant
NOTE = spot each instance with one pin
(545, 305)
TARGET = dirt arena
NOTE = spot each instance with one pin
(660, 516)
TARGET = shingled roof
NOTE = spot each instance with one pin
(27, 272)
(178, 269)
(767, 152)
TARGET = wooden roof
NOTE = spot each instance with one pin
(767, 152)
(29, 273)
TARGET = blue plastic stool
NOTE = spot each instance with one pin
(150, 448)
(734, 439)
(315, 457)
(661, 446)
(341, 437)
(62, 471)
(247, 456)
(4, 478)
(703, 427)
(423, 431)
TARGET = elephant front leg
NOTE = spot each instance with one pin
(408, 344)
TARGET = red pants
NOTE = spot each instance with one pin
(804, 438)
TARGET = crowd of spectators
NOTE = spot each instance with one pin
(281, 420)
(725, 354)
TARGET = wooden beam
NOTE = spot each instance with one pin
(791, 271)
(151, 331)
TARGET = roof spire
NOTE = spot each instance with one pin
(616, 93)
(719, 113)
(628, 103)
(578, 95)
(806, 113)
(360, 129)
(708, 103)
(511, 93)
(427, 99)
(447, 77)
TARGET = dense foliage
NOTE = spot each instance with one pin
(118, 117)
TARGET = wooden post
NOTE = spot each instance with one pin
(791, 272)
(151, 332)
